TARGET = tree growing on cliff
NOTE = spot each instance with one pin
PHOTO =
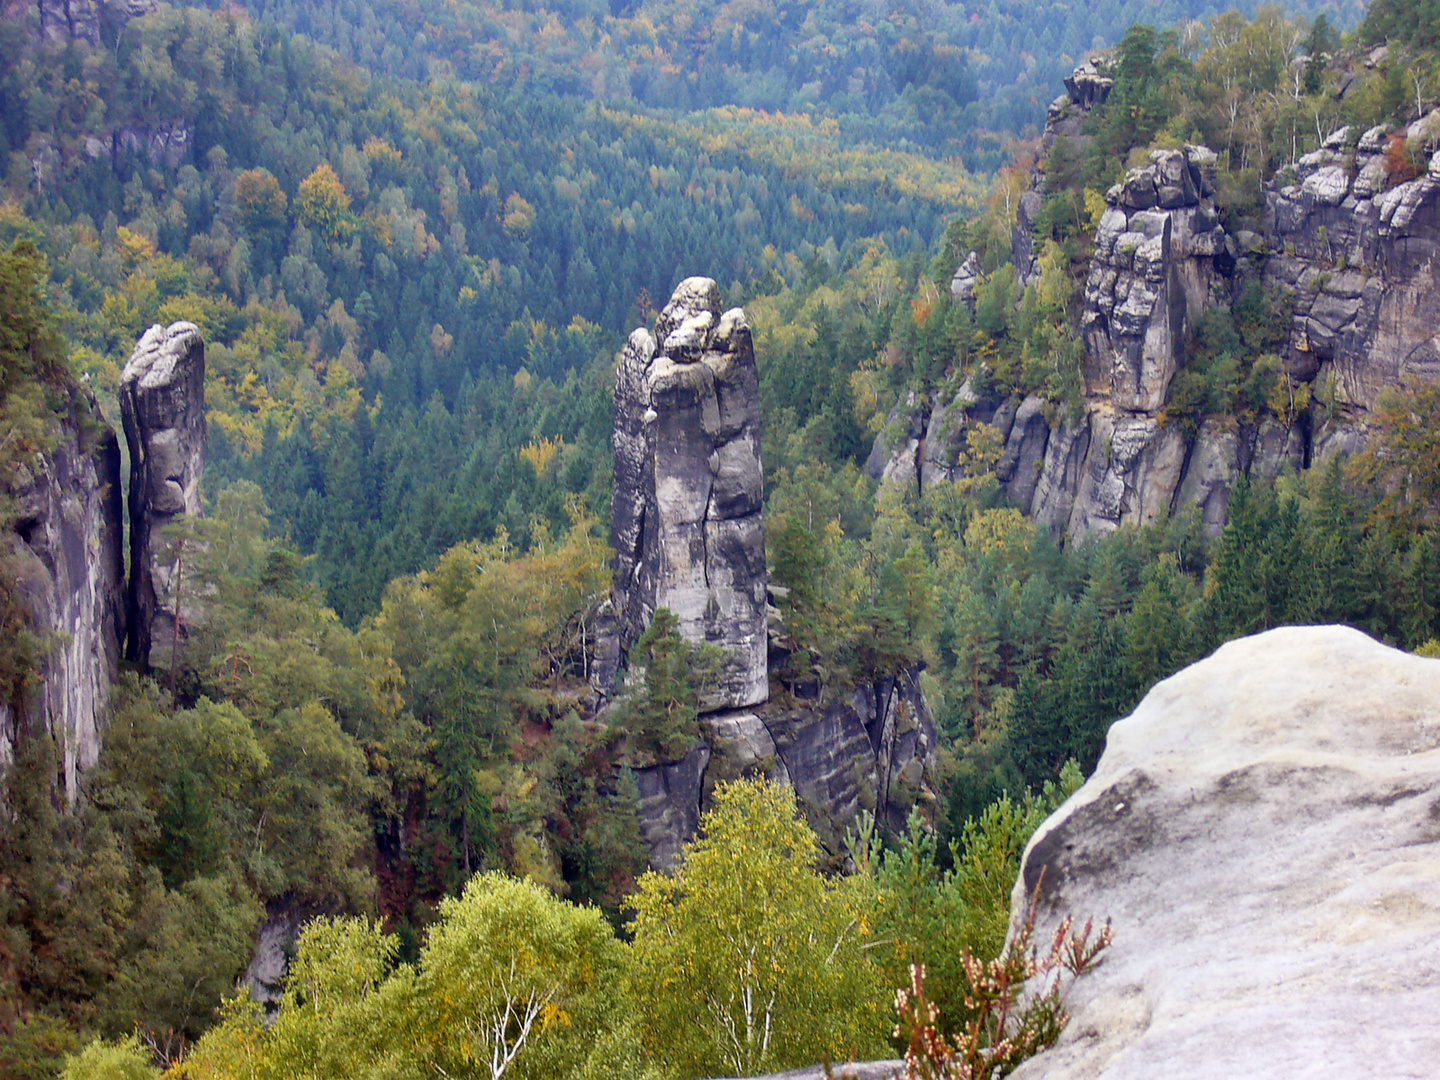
(661, 715)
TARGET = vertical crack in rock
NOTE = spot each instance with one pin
(162, 405)
(685, 516)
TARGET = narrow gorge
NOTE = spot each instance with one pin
(69, 535)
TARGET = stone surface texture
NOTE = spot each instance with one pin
(162, 405)
(1262, 831)
(857, 1070)
(66, 546)
(686, 522)
(1354, 253)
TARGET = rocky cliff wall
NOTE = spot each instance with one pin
(873, 750)
(688, 534)
(1262, 833)
(66, 548)
(72, 20)
(1357, 258)
(68, 542)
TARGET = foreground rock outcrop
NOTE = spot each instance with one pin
(162, 404)
(1264, 832)
(688, 534)
(66, 551)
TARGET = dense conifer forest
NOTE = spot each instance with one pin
(414, 236)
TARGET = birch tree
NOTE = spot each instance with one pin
(750, 960)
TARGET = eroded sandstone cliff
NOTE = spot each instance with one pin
(1354, 256)
(67, 543)
(686, 513)
(66, 549)
(162, 405)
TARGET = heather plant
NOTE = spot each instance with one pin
(1015, 1005)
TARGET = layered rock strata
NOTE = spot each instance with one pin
(66, 549)
(162, 406)
(686, 522)
(1262, 833)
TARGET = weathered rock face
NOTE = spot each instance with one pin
(1364, 266)
(162, 405)
(1360, 263)
(66, 547)
(1262, 832)
(874, 750)
(1086, 88)
(1152, 274)
(73, 20)
(686, 522)
(687, 530)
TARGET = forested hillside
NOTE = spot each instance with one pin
(956, 79)
(413, 240)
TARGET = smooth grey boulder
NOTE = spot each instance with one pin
(685, 512)
(66, 550)
(162, 405)
(1262, 832)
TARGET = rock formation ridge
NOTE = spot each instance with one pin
(1359, 263)
(688, 535)
(66, 549)
(67, 542)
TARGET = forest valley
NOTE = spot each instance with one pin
(413, 241)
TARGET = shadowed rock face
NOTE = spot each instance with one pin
(70, 572)
(686, 521)
(1262, 831)
(162, 404)
(873, 750)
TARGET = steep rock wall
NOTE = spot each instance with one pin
(872, 750)
(68, 540)
(66, 547)
(61, 21)
(162, 404)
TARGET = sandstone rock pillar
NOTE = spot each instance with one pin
(162, 405)
(686, 521)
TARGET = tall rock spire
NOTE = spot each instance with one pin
(686, 521)
(162, 405)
